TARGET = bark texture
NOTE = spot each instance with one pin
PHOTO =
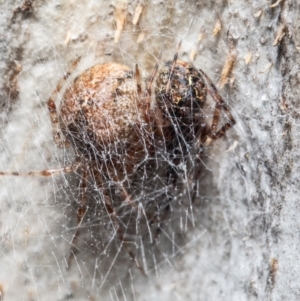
(243, 242)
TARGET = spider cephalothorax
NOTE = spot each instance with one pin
(181, 94)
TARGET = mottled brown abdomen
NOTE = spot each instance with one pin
(103, 117)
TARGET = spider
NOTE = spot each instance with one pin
(114, 130)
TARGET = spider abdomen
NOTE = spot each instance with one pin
(101, 115)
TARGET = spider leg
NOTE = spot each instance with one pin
(220, 104)
(127, 200)
(161, 215)
(156, 114)
(114, 218)
(153, 75)
(137, 76)
(196, 175)
(162, 212)
(211, 131)
(107, 200)
(80, 213)
(57, 135)
(43, 173)
(174, 148)
(172, 67)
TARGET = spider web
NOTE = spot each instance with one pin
(190, 251)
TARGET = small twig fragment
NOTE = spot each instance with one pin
(120, 17)
(258, 14)
(217, 28)
(273, 270)
(68, 37)
(248, 58)
(141, 37)
(276, 3)
(280, 34)
(268, 68)
(230, 60)
(193, 53)
(12, 87)
(233, 146)
(137, 14)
